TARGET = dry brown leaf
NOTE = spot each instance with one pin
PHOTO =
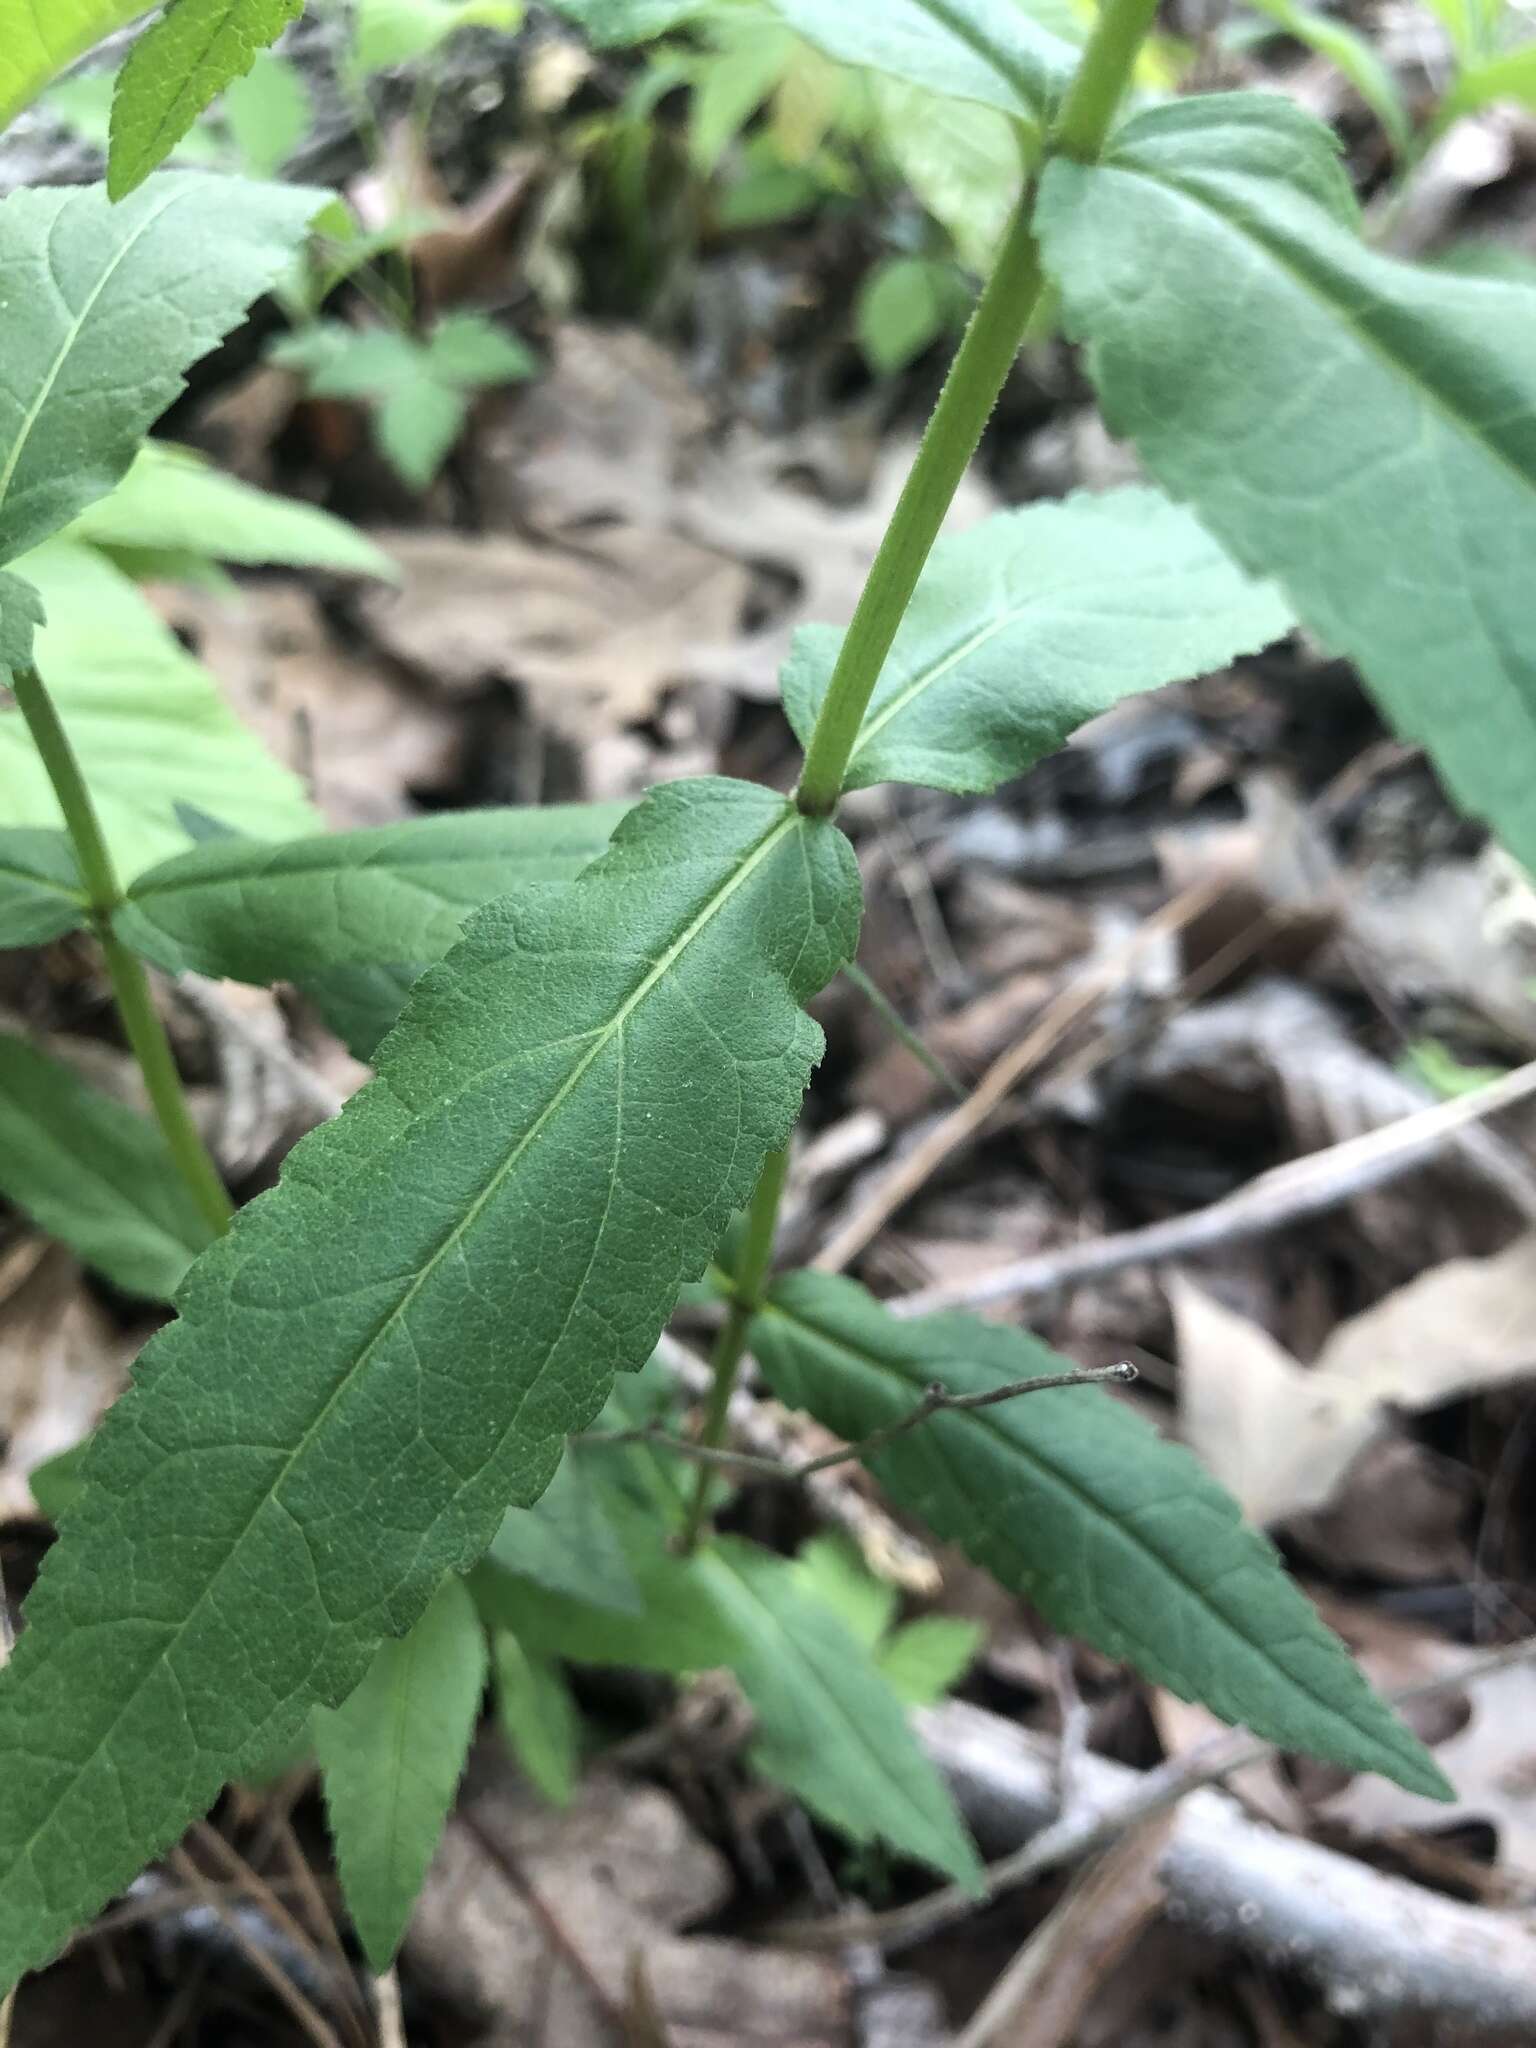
(1278, 1436)
(62, 1364)
(529, 1947)
(595, 636)
(1463, 1328)
(1281, 1435)
(363, 741)
(1492, 1764)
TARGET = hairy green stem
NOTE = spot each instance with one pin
(953, 435)
(725, 1363)
(130, 985)
(1101, 79)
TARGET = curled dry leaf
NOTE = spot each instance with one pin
(1282, 1435)
(62, 1364)
(531, 1916)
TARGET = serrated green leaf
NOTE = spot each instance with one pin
(41, 38)
(1032, 623)
(94, 1174)
(173, 499)
(352, 917)
(41, 896)
(391, 1756)
(538, 1718)
(178, 67)
(146, 720)
(106, 306)
(392, 1346)
(267, 114)
(829, 1728)
(566, 1542)
(929, 1657)
(21, 614)
(1071, 1500)
(1360, 428)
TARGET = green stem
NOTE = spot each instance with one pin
(130, 985)
(1102, 78)
(953, 435)
(751, 1276)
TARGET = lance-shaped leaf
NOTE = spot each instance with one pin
(38, 41)
(391, 1756)
(94, 1174)
(1069, 1499)
(1360, 428)
(105, 307)
(1032, 623)
(172, 502)
(178, 67)
(388, 901)
(41, 897)
(830, 1728)
(147, 721)
(392, 1346)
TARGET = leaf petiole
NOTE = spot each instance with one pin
(130, 984)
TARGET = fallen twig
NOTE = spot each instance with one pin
(962, 1123)
(1285, 1195)
(1040, 1999)
(1376, 1944)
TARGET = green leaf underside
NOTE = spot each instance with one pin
(390, 1348)
(106, 306)
(146, 720)
(178, 67)
(829, 1727)
(391, 1756)
(353, 918)
(94, 1174)
(1069, 1499)
(984, 50)
(41, 38)
(1360, 428)
(172, 499)
(40, 893)
(1031, 623)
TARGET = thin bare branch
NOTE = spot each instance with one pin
(1285, 1195)
(936, 1399)
(1070, 1836)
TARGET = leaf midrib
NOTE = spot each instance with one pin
(872, 1362)
(119, 257)
(1272, 243)
(722, 895)
(1034, 91)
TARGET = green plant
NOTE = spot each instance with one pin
(415, 1359)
